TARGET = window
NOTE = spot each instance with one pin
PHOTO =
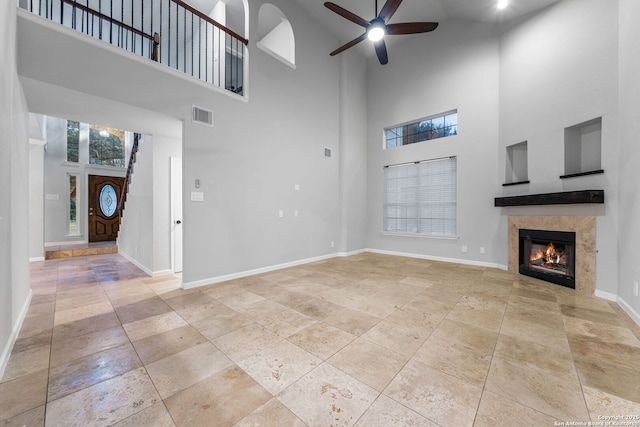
(420, 198)
(73, 228)
(106, 146)
(73, 138)
(439, 126)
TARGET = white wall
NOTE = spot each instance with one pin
(454, 67)
(555, 72)
(36, 189)
(14, 184)
(145, 232)
(629, 156)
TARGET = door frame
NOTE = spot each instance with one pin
(174, 202)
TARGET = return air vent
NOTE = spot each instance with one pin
(202, 116)
(327, 152)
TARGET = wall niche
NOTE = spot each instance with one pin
(583, 149)
(517, 169)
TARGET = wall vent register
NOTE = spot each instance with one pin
(202, 116)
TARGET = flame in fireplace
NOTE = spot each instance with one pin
(549, 255)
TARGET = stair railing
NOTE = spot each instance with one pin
(168, 31)
(127, 179)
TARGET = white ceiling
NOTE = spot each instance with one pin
(418, 11)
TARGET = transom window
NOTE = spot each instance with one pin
(73, 139)
(438, 126)
(420, 198)
(106, 146)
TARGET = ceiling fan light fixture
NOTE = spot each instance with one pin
(502, 4)
(376, 30)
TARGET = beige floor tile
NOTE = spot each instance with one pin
(273, 413)
(162, 345)
(26, 362)
(262, 308)
(496, 410)
(245, 342)
(618, 354)
(153, 325)
(87, 371)
(63, 351)
(556, 397)
(219, 400)
(370, 363)
(31, 418)
(182, 370)
(601, 405)
(72, 300)
(460, 350)
(397, 336)
(435, 395)
(556, 362)
(104, 403)
(142, 309)
(287, 322)
(23, 394)
(226, 321)
(188, 300)
(601, 331)
(197, 312)
(321, 339)
(85, 326)
(592, 315)
(386, 412)
(318, 309)
(28, 340)
(279, 365)
(609, 378)
(352, 321)
(339, 399)
(155, 415)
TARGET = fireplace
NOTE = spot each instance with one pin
(548, 255)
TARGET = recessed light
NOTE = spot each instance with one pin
(502, 4)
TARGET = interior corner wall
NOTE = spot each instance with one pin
(14, 176)
(136, 238)
(549, 80)
(353, 153)
(454, 67)
(629, 156)
(36, 200)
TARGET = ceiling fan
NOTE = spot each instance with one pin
(377, 28)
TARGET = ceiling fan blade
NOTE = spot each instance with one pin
(348, 45)
(381, 51)
(389, 9)
(346, 14)
(411, 27)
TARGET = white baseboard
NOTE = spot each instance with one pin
(6, 352)
(161, 273)
(224, 278)
(36, 259)
(436, 258)
(606, 295)
(66, 243)
(630, 311)
(134, 262)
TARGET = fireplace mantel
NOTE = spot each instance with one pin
(563, 198)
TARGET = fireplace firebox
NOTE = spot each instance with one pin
(548, 255)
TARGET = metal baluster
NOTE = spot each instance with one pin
(192, 44)
(177, 41)
(169, 37)
(184, 43)
(206, 51)
(100, 20)
(199, 48)
(161, 34)
(142, 24)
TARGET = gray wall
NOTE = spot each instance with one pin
(14, 185)
(456, 66)
(549, 80)
(629, 156)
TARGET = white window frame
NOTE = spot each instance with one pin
(449, 123)
(420, 198)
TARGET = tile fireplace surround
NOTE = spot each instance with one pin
(585, 229)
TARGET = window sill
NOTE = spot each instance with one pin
(573, 175)
(421, 236)
(101, 167)
(280, 58)
(508, 184)
(70, 164)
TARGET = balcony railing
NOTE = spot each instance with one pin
(168, 31)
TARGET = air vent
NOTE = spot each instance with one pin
(327, 152)
(202, 116)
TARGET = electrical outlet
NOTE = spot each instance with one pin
(635, 288)
(295, 213)
(281, 214)
(481, 249)
(333, 244)
(465, 248)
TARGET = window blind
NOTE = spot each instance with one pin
(420, 198)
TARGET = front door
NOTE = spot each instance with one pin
(104, 197)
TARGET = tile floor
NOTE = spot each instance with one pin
(369, 340)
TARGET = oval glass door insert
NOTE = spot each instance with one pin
(108, 200)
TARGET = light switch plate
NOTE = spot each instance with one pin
(197, 196)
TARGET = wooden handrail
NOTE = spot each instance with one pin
(125, 186)
(108, 18)
(211, 21)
